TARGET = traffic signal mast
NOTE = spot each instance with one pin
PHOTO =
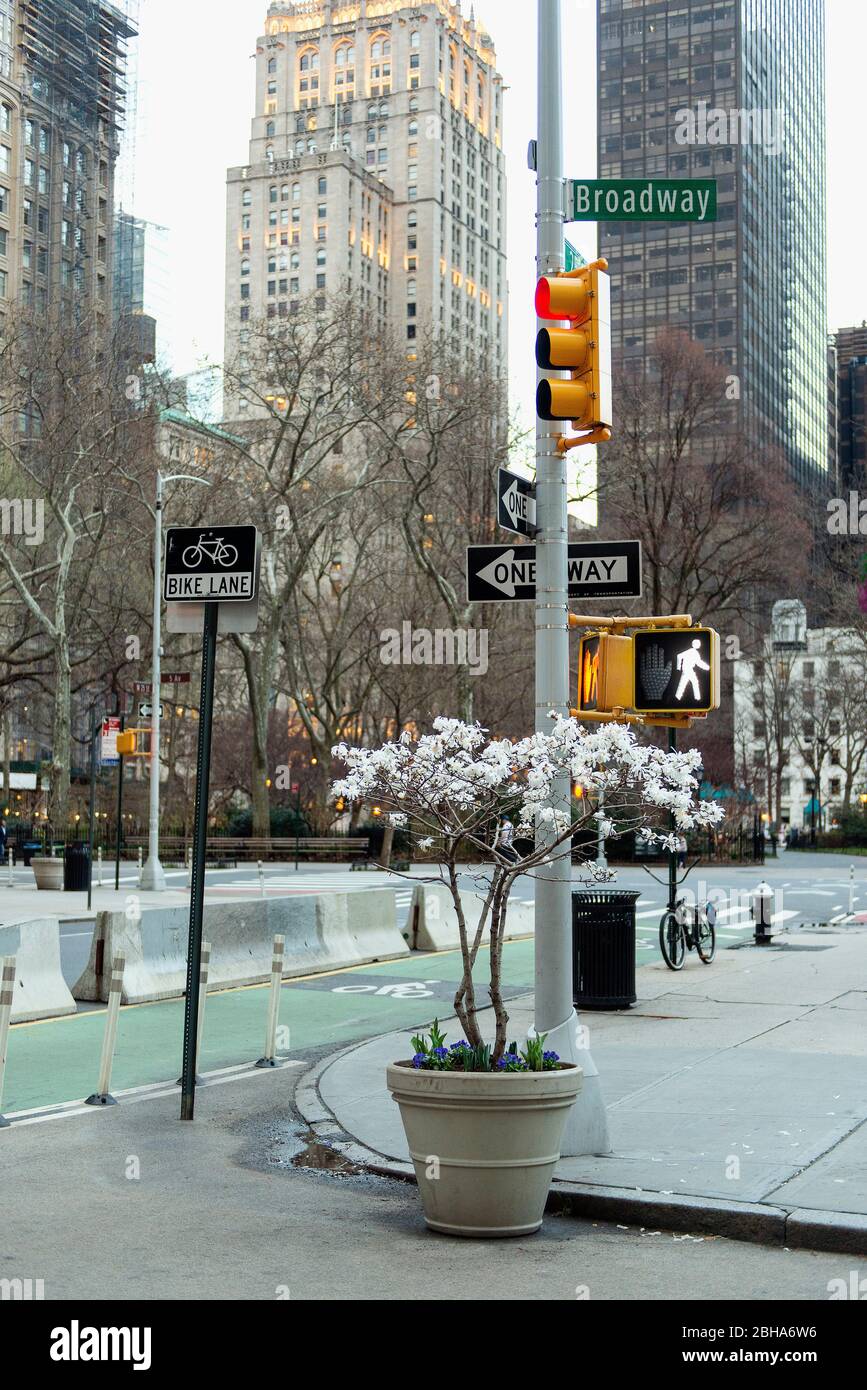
(582, 298)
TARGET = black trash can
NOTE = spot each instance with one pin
(603, 948)
(28, 849)
(76, 868)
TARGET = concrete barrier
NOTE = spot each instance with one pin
(40, 989)
(434, 921)
(322, 932)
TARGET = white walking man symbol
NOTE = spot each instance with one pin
(689, 663)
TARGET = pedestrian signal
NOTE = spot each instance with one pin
(676, 671)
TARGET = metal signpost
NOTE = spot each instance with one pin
(596, 569)
(210, 566)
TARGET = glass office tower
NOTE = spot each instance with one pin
(732, 90)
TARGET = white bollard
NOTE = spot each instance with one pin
(261, 879)
(99, 867)
(269, 1058)
(203, 992)
(102, 1095)
(7, 992)
(140, 864)
(189, 866)
(11, 867)
(851, 889)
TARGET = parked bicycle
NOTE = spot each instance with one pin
(686, 928)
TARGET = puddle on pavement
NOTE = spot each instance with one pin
(322, 1157)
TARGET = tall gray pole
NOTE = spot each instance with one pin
(153, 876)
(587, 1126)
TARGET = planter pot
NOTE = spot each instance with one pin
(47, 872)
(491, 1139)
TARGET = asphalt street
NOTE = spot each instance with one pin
(127, 1215)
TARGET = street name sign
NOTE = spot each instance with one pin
(143, 687)
(677, 671)
(597, 569)
(210, 565)
(573, 257)
(174, 678)
(516, 503)
(641, 200)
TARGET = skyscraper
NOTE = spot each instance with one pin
(376, 165)
(849, 358)
(732, 90)
(61, 108)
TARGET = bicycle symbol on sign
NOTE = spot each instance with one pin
(215, 551)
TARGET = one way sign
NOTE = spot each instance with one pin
(597, 569)
(516, 503)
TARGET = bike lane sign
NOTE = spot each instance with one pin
(215, 564)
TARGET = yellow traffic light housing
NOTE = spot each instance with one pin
(604, 673)
(126, 743)
(583, 298)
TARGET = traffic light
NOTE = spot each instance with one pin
(583, 298)
(126, 743)
(604, 672)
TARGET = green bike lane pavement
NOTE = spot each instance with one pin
(57, 1060)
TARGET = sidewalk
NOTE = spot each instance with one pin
(737, 1096)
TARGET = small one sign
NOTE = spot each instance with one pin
(212, 565)
(597, 569)
(641, 200)
(677, 671)
(146, 710)
(516, 503)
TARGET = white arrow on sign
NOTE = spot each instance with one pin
(519, 506)
(506, 572)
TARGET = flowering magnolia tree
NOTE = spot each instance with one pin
(455, 785)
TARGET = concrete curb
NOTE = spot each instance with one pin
(759, 1223)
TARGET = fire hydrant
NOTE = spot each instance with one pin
(760, 911)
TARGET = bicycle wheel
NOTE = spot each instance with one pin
(191, 556)
(671, 942)
(228, 557)
(705, 935)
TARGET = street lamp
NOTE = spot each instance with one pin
(153, 876)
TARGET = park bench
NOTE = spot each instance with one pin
(230, 847)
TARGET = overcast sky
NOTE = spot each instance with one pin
(195, 105)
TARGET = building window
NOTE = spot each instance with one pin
(245, 267)
(246, 198)
(270, 130)
(4, 238)
(5, 118)
(272, 64)
(323, 187)
(5, 155)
